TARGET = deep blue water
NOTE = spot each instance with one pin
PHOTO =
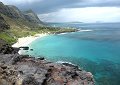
(97, 51)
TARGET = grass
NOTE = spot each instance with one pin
(20, 28)
(7, 38)
(11, 35)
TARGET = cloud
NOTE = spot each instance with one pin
(48, 6)
(16, 2)
(88, 14)
(71, 10)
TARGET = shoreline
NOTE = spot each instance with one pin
(22, 69)
(25, 41)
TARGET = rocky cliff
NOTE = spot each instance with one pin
(14, 23)
(3, 24)
(17, 69)
(32, 17)
(29, 18)
(10, 11)
(15, 12)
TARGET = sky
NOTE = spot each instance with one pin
(71, 10)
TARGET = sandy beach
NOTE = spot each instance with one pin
(25, 41)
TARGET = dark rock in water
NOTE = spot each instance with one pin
(31, 49)
(41, 58)
(24, 70)
(71, 65)
(24, 48)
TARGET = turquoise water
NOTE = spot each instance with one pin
(97, 51)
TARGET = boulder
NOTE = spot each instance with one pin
(7, 49)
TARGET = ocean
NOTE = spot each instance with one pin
(96, 51)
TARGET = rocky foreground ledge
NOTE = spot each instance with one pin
(18, 69)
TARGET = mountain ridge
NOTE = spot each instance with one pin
(15, 24)
(29, 17)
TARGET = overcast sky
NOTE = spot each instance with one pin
(71, 10)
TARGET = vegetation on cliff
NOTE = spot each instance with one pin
(15, 24)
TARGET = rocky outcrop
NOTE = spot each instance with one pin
(2, 42)
(14, 13)
(32, 17)
(18, 69)
(3, 24)
(7, 49)
(10, 11)
(3, 9)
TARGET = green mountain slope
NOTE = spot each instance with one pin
(15, 24)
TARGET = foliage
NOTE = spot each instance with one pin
(21, 28)
(7, 37)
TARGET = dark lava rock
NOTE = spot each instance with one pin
(41, 58)
(15, 59)
(71, 65)
(31, 49)
(29, 80)
(24, 48)
(3, 67)
(7, 49)
(24, 70)
(74, 75)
